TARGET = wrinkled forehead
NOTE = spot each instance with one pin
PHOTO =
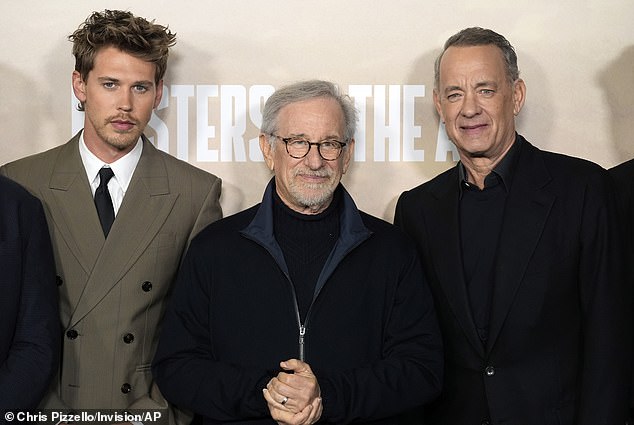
(315, 118)
(484, 62)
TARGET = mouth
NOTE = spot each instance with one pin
(313, 178)
(473, 129)
(122, 125)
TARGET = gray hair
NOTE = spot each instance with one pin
(477, 36)
(306, 90)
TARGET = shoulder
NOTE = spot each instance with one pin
(559, 164)
(19, 207)
(560, 173)
(623, 174)
(10, 191)
(564, 164)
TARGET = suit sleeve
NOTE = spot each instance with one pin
(606, 308)
(410, 371)
(33, 356)
(184, 365)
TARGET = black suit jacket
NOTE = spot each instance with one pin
(559, 339)
(29, 321)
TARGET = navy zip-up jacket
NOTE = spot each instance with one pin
(371, 335)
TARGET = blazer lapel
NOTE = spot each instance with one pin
(70, 199)
(146, 205)
(444, 231)
(526, 212)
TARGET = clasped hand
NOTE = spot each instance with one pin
(294, 396)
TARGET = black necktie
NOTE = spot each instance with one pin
(103, 202)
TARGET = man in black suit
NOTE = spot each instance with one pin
(29, 325)
(523, 256)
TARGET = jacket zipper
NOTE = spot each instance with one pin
(301, 326)
(302, 332)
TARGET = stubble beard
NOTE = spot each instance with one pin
(119, 140)
(312, 195)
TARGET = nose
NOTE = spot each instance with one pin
(125, 101)
(470, 106)
(313, 159)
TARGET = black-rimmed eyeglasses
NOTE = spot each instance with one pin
(298, 147)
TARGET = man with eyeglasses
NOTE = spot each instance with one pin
(302, 308)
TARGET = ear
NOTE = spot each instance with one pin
(438, 106)
(347, 155)
(267, 151)
(159, 94)
(519, 96)
(79, 87)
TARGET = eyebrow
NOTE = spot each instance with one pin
(478, 85)
(486, 83)
(451, 88)
(117, 80)
(305, 136)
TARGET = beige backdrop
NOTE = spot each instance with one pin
(577, 58)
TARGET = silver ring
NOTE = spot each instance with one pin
(284, 400)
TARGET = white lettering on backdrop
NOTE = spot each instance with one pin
(223, 114)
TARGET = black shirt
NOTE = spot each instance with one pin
(481, 218)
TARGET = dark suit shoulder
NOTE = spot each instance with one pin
(623, 174)
(566, 164)
(11, 191)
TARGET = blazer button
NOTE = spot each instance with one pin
(490, 371)
(59, 280)
(126, 388)
(146, 286)
(72, 334)
(128, 338)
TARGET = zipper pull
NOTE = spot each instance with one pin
(302, 332)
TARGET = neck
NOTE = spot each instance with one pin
(106, 152)
(478, 168)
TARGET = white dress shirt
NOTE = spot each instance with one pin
(123, 168)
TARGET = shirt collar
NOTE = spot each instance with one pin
(503, 171)
(123, 167)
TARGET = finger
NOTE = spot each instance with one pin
(316, 409)
(284, 383)
(276, 401)
(289, 418)
(303, 417)
(281, 416)
(295, 365)
(297, 399)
